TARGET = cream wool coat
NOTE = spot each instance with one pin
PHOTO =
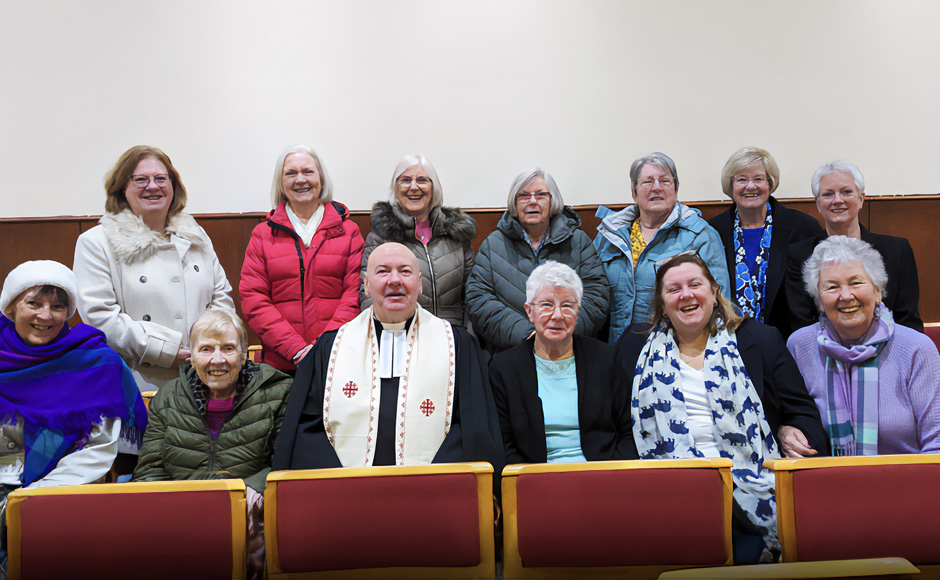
(145, 292)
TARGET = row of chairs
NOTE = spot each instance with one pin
(589, 520)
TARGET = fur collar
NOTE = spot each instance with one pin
(446, 222)
(131, 240)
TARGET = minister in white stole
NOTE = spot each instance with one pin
(394, 386)
(352, 393)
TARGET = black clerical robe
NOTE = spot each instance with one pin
(474, 432)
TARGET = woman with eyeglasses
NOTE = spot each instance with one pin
(705, 382)
(536, 227)
(148, 270)
(757, 231)
(300, 277)
(630, 242)
(440, 237)
(554, 392)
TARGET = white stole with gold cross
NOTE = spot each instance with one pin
(425, 396)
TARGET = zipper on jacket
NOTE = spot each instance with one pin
(427, 256)
(303, 270)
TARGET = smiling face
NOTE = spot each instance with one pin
(38, 318)
(393, 281)
(300, 179)
(217, 358)
(152, 199)
(688, 299)
(839, 200)
(655, 193)
(414, 192)
(848, 298)
(554, 312)
(533, 204)
(750, 188)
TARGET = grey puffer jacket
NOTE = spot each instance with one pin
(496, 289)
(445, 263)
(179, 445)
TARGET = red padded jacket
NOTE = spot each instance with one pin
(290, 293)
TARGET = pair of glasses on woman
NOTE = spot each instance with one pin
(407, 181)
(537, 196)
(142, 181)
(546, 308)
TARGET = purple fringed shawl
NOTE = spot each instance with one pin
(65, 387)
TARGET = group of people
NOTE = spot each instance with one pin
(664, 337)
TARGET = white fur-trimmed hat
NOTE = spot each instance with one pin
(38, 273)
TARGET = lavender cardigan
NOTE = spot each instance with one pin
(908, 388)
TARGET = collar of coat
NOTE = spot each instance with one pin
(446, 222)
(131, 240)
(615, 226)
(561, 227)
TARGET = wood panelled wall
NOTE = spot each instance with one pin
(913, 217)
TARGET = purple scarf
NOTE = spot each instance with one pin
(64, 388)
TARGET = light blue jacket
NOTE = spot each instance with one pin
(631, 297)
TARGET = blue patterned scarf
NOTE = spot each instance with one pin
(62, 390)
(749, 289)
(742, 433)
(852, 385)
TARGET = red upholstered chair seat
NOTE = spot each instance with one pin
(621, 518)
(373, 522)
(868, 512)
(114, 531)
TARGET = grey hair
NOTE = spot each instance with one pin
(523, 179)
(213, 321)
(844, 250)
(277, 187)
(553, 273)
(409, 161)
(658, 159)
(838, 166)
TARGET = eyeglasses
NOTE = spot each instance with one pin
(142, 181)
(665, 182)
(758, 181)
(537, 196)
(546, 308)
(406, 182)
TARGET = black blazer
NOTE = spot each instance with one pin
(772, 370)
(902, 292)
(790, 226)
(603, 416)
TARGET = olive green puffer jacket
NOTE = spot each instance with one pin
(179, 445)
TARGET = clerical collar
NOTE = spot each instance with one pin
(392, 347)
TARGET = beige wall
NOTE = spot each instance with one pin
(484, 88)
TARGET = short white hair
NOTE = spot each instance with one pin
(844, 250)
(554, 274)
(838, 166)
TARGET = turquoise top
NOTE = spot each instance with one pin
(558, 390)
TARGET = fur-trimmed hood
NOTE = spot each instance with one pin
(446, 222)
(131, 240)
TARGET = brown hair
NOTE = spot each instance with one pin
(723, 315)
(120, 175)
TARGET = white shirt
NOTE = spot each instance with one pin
(305, 230)
(701, 423)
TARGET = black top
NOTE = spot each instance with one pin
(902, 292)
(603, 415)
(790, 226)
(771, 368)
